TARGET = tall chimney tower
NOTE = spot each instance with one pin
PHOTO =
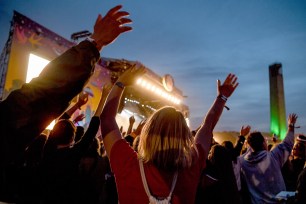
(278, 124)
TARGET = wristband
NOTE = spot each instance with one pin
(92, 41)
(291, 125)
(120, 84)
(222, 97)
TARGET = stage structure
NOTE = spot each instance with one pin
(31, 46)
(278, 124)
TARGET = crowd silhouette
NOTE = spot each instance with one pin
(160, 161)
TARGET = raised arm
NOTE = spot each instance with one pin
(116, 23)
(28, 111)
(93, 126)
(283, 149)
(105, 91)
(292, 118)
(82, 100)
(244, 131)
(109, 128)
(205, 133)
(131, 124)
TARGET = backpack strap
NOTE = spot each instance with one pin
(152, 199)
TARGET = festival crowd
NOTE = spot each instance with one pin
(159, 161)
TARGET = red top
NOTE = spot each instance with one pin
(125, 166)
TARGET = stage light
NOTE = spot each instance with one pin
(138, 81)
(147, 85)
(163, 94)
(143, 83)
(35, 66)
(168, 97)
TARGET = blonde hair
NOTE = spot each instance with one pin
(166, 140)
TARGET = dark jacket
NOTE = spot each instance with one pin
(26, 112)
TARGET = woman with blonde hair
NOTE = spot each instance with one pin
(169, 161)
(166, 140)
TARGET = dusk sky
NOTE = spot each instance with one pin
(198, 42)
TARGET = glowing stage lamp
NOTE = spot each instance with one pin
(35, 66)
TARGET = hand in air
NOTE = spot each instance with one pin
(229, 85)
(82, 99)
(245, 130)
(292, 119)
(109, 27)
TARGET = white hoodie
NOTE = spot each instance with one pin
(262, 171)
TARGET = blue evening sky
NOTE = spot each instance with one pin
(197, 42)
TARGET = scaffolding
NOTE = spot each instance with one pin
(4, 59)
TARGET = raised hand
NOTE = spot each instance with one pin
(82, 99)
(292, 119)
(229, 85)
(245, 130)
(79, 118)
(132, 119)
(109, 27)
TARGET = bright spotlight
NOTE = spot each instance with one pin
(35, 66)
(138, 81)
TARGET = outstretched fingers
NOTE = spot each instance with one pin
(109, 27)
(233, 81)
(114, 10)
(125, 21)
(229, 85)
(292, 118)
(120, 14)
(99, 19)
(228, 79)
